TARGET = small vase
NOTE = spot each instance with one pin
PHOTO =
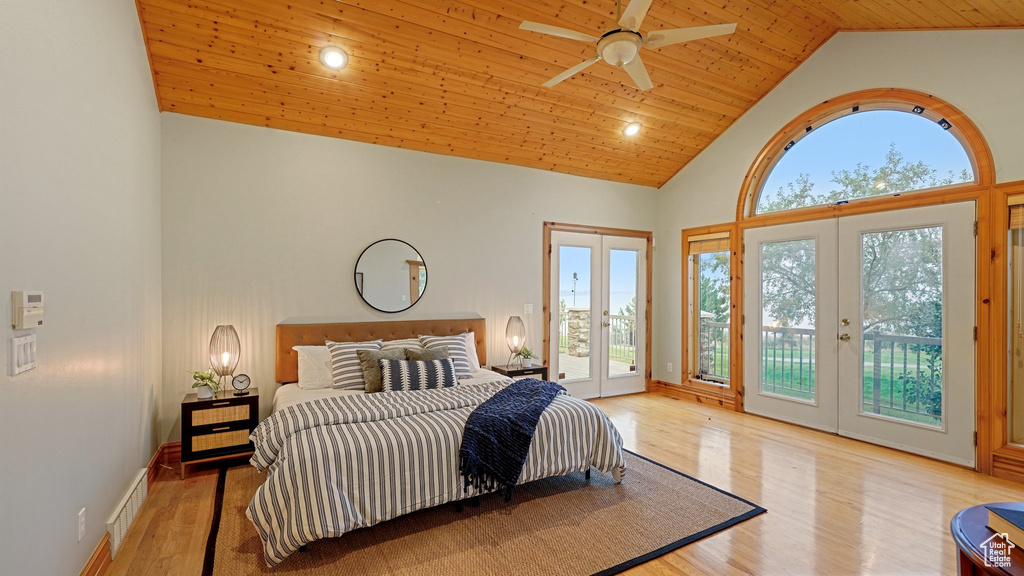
(527, 362)
(204, 392)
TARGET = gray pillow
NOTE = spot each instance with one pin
(368, 360)
(425, 355)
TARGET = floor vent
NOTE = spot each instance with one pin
(126, 511)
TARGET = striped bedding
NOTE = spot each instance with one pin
(341, 463)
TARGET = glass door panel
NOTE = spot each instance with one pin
(624, 315)
(623, 271)
(792, 368)
(906, 350)
(788, 313)
(574, 311)
(901, 311)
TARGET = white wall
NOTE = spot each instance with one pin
(79, 194)
(262, 226)
(979, 72)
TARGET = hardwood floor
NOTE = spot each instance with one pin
(835, 506)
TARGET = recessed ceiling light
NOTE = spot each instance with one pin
(334, 57)
(880, 185)
(631, 129)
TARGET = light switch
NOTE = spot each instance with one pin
(528, 309)
(23, 354)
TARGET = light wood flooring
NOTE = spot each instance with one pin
(835, 506)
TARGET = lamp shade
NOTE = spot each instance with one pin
(224, 350)
(515, 334)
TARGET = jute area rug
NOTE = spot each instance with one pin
(565, 525)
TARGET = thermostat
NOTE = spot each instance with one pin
(26, 309)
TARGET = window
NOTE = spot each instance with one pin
(863, 151)
(709, 307)
(1015, 401)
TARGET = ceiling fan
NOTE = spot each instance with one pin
(621, 46)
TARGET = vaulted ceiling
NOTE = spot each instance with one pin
(461, 78)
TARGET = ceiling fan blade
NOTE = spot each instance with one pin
(571, 72)
(634, 15)
(660, 38)
(556, 31)
(638, 72)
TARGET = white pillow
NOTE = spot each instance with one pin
(314, 367)
(402, 344)
(474, 359)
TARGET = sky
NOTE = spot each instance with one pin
(623, 275)
(865, 138)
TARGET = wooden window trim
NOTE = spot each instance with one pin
(728, 396)
(964, 130)
(550, 227)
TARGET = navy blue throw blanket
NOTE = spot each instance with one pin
(498, 434)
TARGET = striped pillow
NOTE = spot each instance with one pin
(403, 376)
(405, 343)
(345, 367)
(456, 350)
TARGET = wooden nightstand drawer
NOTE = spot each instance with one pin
(219, 440)
(218, 427)
(220, 415)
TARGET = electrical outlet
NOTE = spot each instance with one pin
(669, 368)
(81, 524)
(528, 309)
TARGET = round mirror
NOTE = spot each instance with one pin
(390, 275)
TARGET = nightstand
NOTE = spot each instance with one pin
(218, 427)
(512, 371)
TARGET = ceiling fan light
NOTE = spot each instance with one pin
(632, 129)
(333, 57)
(620, 48)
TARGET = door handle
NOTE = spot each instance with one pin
(844, 337)
(605, 324)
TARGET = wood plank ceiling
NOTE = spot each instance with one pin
(460, 78)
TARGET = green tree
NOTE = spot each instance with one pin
(901, 269)
(713, 271)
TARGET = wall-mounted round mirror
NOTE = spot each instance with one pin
(390, 275)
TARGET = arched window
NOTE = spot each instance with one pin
(872, 144)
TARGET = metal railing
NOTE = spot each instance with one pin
(713, 353)
(622, 337)
(787, 361)
(563, 332)
(905, 379)
(902, 375)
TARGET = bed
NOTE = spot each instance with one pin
(339, 460)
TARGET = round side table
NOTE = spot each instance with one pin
(970, 531)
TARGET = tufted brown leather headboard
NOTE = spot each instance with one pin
(289, 335)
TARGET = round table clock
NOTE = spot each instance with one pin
(240, 383)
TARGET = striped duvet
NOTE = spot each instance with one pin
(341, 463)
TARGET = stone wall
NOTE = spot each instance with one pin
(579, 332)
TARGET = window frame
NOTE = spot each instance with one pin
(899, 100)
(724, 394)
(693, 365)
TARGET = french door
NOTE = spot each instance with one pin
(864, 326)
(598, 313)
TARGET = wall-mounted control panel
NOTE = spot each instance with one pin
(26, 309)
